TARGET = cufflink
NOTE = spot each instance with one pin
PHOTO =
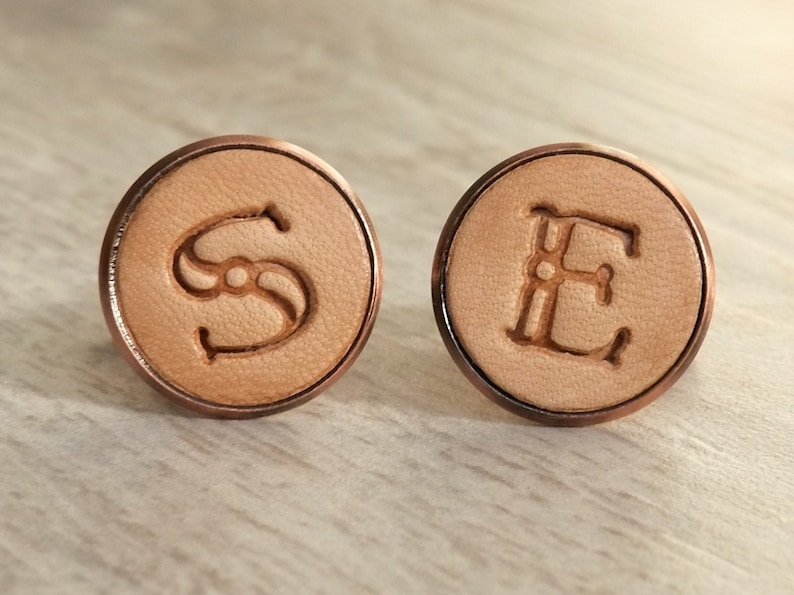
(573, 284)
(240, 275)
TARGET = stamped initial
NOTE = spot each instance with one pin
(278, 283)
(545, 273)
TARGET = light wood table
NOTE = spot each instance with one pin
(401, 478)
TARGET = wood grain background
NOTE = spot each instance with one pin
(401, 478)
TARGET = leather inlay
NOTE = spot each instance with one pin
(243, 277)
(573, 283)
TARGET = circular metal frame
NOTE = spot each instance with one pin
(115, 232)
(464, 361)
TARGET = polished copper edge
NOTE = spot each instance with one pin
(115, 230)
(479, 379)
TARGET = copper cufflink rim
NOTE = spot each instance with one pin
(479, 379)
(121, 334)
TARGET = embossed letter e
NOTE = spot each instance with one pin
(545, 272)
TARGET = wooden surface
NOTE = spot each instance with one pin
(402, 478)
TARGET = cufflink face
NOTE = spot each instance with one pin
(240, 275)
(573, 284)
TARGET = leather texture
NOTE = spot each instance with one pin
(629, 295)
(295, 286)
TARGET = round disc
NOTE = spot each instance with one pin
(240, 275)
(573, 284)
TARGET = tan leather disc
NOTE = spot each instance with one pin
(573, 284)
(240, 275)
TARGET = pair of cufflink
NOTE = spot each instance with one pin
(241, 275)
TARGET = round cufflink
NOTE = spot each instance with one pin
(240, 275)
(573, 284)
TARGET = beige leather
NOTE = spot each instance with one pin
(243, 277)
(628, 286)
